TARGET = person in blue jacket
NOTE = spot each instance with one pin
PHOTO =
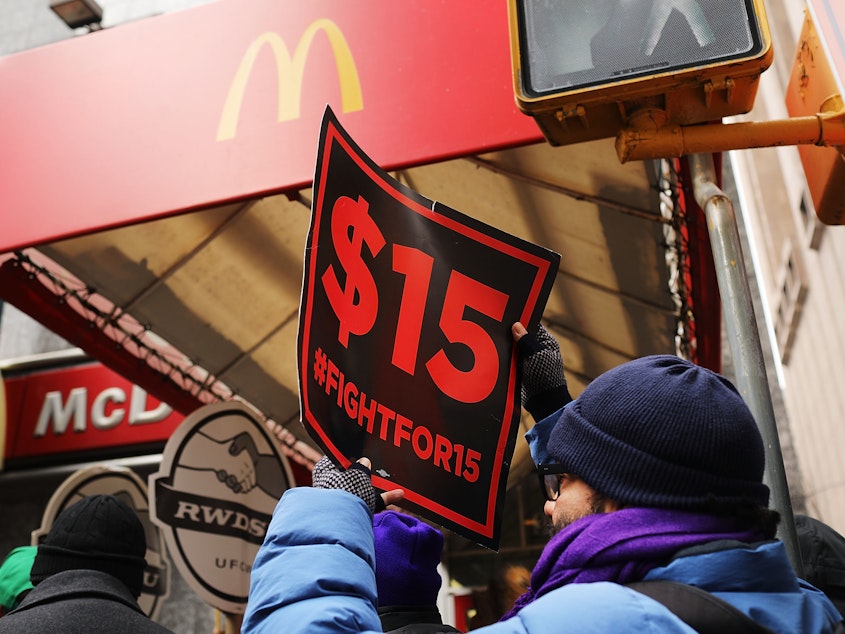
(654, 472)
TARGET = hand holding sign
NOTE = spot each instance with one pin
(405, 350)
(544, 388)
(354, 480)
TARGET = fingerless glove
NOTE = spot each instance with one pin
(544, 389)
(354, 480)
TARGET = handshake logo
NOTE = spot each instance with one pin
(221, 475)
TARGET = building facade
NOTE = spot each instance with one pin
(798, 265)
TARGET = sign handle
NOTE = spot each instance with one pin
(227, 623)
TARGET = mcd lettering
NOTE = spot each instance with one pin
(106, 411)
(62, 411)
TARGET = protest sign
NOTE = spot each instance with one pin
(405, 350)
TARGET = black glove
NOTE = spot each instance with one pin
(544, 388)
(355, 480)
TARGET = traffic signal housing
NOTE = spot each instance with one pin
(583, 69)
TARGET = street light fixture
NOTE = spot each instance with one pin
(78, 13)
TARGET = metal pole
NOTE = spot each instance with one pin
(743, 337)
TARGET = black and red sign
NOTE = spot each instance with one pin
(405, 349)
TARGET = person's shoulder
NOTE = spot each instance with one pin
(591, 608)
(157, 628)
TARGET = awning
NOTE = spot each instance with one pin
(164, 234)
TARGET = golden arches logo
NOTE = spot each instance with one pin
(291, 70)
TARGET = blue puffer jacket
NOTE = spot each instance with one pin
(315, 573)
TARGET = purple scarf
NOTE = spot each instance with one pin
(623, 546)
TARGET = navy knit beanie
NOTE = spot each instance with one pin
(407, 553)
(660, 431)
(97, 533)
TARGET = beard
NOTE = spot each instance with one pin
(596, 505)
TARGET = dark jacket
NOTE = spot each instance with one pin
(413, 619)
(79, 601)
(823, 556)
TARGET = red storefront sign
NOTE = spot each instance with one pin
(222, 102)
(80, 409)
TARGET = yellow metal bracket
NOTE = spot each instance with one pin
(649, 135)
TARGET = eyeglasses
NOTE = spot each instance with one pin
(551, 476)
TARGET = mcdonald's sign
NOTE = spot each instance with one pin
(291, 70)
(228, 102)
